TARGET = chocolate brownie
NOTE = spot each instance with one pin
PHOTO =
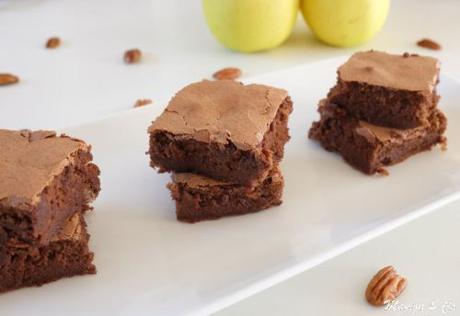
(222, 129)
(44, 180)
(199, 198)
(66, 255)
(388, 90)
(369, 147)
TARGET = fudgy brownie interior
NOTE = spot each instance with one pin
(369, 147)
(384, 106)
(66, 255)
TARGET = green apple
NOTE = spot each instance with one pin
(345, 22)
(251, 25)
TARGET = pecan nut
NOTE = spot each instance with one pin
(385, 286)
(53, 42)
(6, 79)
(142, 102)
(132, 56)
(230, 73)
(430, 44)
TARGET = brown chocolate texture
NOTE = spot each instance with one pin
(221, 112)
(199, 198)
(44, 180)
(396, 91)
(368, 147)
(402, 72)
(223, 130)
(66, 255)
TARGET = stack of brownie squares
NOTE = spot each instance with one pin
(382, 110)
(46, 185)
(223, 142)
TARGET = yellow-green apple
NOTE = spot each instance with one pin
(345, 22)
(251, 25)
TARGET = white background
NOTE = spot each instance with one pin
(85, 79)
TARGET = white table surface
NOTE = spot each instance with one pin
(86, 79)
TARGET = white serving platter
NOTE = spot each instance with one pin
(150, 264)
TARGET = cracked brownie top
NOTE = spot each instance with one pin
(222, 111)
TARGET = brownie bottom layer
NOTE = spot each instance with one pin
(199, 198)
(22, 265)
(369, 147)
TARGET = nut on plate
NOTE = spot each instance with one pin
(385, 286)
(142, 102)
(230, 73)
(429, 44)
(53, 42)
(6, 79)
(132, 56)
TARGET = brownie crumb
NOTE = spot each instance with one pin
(7, 79)
(142, 102)
(132, 56)
(443, 143)
(230, 73)
(429, 44)
(53, 42)
(383, 172)
(406, 55)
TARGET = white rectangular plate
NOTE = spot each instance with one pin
(150, 264)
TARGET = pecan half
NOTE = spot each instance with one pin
(385, 286)
(6, 79)
(132, 56)
(142, 102)
(53, 42)
(428, 43)
(230, 73)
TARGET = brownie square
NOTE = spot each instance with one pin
(397, 91)
(199, 198)
(66, 255)
(222, 129)
(369, 147)
(44, 180)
